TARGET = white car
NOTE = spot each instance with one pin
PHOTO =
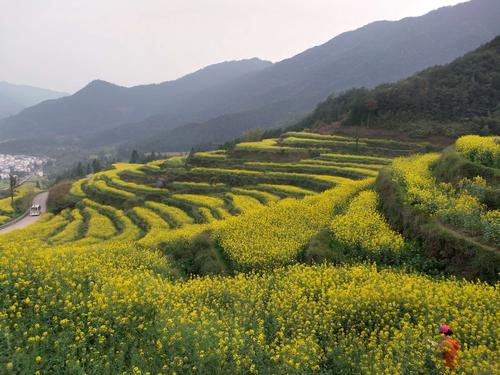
(35, 210)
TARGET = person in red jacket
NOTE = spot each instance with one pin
(448, 348)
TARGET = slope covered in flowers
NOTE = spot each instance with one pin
(118, 312)
(460, 206)
(361, 225)
(174, 200)
(104, 286)
(483, 150)
(9, 209)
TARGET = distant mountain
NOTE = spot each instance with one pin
(14, 98)
(379, 52)
(458, 98)
(254, 93)
(102, 105)
(207, 134)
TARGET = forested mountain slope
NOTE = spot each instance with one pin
(14, 98)
(460, 97)
(379, 52)
(102, 105)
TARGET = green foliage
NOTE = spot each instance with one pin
(482, 150)
(456, 253)
(59, 197)
(201, 256)
(458, 98)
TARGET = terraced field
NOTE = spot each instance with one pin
(143, 202)
(22, 199)
(277, 235)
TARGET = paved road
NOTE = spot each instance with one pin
(28, 220)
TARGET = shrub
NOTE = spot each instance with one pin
(482, 150)
(60, 196)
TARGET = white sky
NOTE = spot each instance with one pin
(64, 44)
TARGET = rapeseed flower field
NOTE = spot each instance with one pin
(118, 311)
(483, 150)
(461, 207)
(100, 288)
(361, 225)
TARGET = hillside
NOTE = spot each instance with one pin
(458, 98)
(13, 208)
(268, 95)
(376, 53)
(14, 98)
(285, 227)
(102, 105)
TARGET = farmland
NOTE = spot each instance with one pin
(10, 209)
(297, 254)
(209, 187)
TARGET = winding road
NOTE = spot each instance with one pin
(40, 199)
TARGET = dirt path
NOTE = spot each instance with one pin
(466, 238)
(28, 220)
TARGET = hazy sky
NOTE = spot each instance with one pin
(64, 44)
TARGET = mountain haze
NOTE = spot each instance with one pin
(379, 52)
(221, 105)
(102, 105)
(14, 98)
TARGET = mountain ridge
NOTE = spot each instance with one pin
(383, 51)
(458, 43)
(15, 97)
(102, 104)
(449, 100)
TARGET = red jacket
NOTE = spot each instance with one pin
(450, 347)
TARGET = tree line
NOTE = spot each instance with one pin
(457, 98)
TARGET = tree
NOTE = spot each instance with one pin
(135, 158)
(252, 135)
(371, 106)
(190, 156)
(12, 186)
(80, 171)
(96, 165)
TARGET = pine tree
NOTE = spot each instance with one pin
(96, 166)
(79, 170)
(135, 158)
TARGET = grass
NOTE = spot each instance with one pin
(287, 190)
(454, 251)
(103, 187)
(243, 203)
(341, 164)
(22, 201)
(332, 170)
(262, 196)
